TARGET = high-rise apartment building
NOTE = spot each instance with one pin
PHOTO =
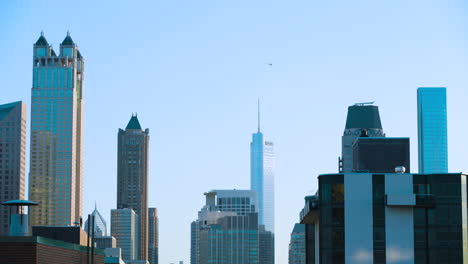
(153, 236)
(432, 130)
(262, 177)
(226, 230)
(124, 227)
(132, 177)
(55, 174)
(297, 250)
(362, 116)
(12, 158)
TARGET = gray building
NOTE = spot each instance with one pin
(124, 227)
(266, 246)
(297, 250)
(56, 159)
(363, 116)
(226, 230)
(104, 242)
(132, 177)
(153, 236)
(12, 158)
(387, 218)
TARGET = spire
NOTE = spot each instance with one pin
(258, 109)
(42, 41)
(133, 123)
(68, 41)
(95, 205)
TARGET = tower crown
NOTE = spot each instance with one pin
(133, 123)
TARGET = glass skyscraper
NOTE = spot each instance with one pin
(12, 158)
(432, 130)
(100, 226)
(262, 178)
(55, 174)
(297, 245)
(153, 236)
(124, 227)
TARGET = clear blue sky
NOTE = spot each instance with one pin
(193, 71)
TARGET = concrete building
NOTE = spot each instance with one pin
(12, 158)
(124, 227)
(297, 250)
(132, 177)
(362, 116)
(220, 236)
(55, 175)
(153, 236)
(432, 130)
(387, 218)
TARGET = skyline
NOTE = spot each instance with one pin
(324, 60)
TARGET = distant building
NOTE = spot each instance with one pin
(360, 116)
(262, 177)
(220, 236)
(266, 246)
(387, 218)
(432, 130)
(132, 178)
(124, 227)
(153, 236)
(375, 154)
(297, 250)
(100, 226)
(104, 242)
(12, 158)
(56, 160)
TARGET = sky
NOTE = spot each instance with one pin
(193, 71)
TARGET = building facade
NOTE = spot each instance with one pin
(432, 130)
(153, 236)
(104, 242)
(262, 178)
(56, 155)
(100, 226)
(12, 158)
(402, 218)
(132, 177)
(124, 227)
(363, 116)
(297, 250)
(222, 236)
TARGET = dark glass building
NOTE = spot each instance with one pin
(387, 218)
(380, 155)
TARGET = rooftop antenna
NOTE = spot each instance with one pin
(364, 103)
(258, 109)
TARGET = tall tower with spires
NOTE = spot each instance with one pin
(56, 152)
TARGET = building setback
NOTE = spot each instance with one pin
(132, 177)
(432, 130)
(12, 158)
(387, 218)
(55, 175)
(153, 236)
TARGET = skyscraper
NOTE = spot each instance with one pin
(55, 174)
(432, 130)
(12, 158)
(262, 177)
(297, 245)
(153, 236)
(124, 227)
(132, 177)
(362, 116)
(226, 230)
(100, 226)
